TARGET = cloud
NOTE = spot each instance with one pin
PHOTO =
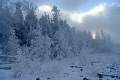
(68, 5)
(42, 10)
(104, 17)
(71, 5)
(76, 5)
(79, 17)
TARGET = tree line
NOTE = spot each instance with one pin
(44, 38)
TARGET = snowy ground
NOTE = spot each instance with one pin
(76, 68)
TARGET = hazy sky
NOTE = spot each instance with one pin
(93, 15)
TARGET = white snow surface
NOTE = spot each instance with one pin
(91, 64)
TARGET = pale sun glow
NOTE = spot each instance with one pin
(93, 35)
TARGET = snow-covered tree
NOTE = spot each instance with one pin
(18, 22)
(103, 43)
(36, 45)
(97, 42)
(18, 18)
(109, 44)
(79, 41)
(89, 41)
(40, 46)
(30, 24)
(28, 6)
(13, 43)
(46, 44)
(5, 24)
(56, 19)
(24, 65)
(44, 23)
(61, 47)
(84, 38)
(31, 21)
(74, 40)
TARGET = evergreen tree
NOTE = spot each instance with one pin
(30, 24)
(18, 18)
(5, 25)
(103, 43)
(109, 44)
(97, 42)
(44, 23)
(18, 22)
(56, 19)
(40, 46)
(13, 43)
(46, 44)
(79, 41)
(89, 41)
(74, 40)
(36, 45)
(61, 47)
(31, 21)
